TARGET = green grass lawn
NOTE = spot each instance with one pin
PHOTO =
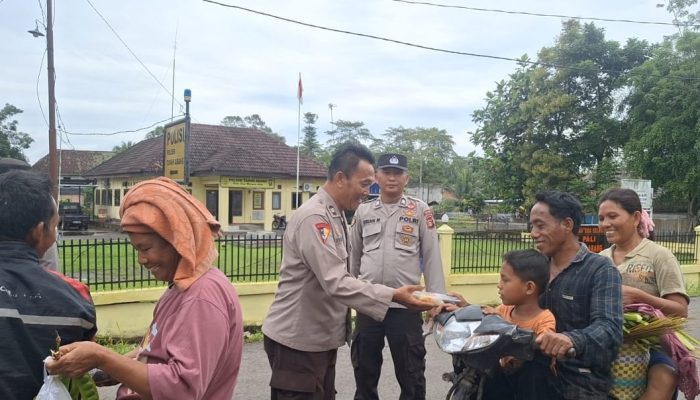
(482, 254)
(113, 264)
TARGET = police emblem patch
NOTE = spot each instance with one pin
(332, 210)
(429, 220)
(409, 213)
(393, 160)
(324, 231)
(407, 228)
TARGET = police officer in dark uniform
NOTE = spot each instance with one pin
(394, 242)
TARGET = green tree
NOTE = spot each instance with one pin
(682, 17)
(251, 121)
(562, 111)
(350, 131)
(122, 147)
(310, 145)
(664, 121)
(157, 132)
(430, 152)
(12, 141)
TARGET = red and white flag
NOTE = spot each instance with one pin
(300, 91)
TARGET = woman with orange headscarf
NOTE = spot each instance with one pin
(193, 347)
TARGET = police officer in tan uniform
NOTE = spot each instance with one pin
(394, 242)
(309, 317)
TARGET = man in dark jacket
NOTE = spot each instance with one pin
(36, 305)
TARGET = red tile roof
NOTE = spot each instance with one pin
(217, 150)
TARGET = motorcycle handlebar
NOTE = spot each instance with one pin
(571, 353)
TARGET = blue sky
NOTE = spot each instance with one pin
(239, 63)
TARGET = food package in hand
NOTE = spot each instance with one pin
(435, 298)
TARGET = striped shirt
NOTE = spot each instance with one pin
(586, 299)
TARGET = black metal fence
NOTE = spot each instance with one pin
(112, 264)
(479, 252)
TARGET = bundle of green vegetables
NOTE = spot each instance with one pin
(649, 327)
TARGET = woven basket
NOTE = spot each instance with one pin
(629, 372)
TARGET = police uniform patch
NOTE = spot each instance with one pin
(411, 205)
(332, 210)
(405, 240)
(409, 213)
(407, 228)
(324, 231)
(429, 220)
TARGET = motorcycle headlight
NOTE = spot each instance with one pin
(456, 336)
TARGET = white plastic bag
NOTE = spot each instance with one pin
(53, 388)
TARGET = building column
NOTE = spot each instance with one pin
(445, 235)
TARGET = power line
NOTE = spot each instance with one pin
(119, 132)
(38, 78)
(43, 15)
(132, 53)
(533, 14)
(62, 129)
(447, 51)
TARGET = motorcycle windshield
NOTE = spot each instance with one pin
(495, 324)
(457, 336)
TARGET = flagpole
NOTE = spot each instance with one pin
(299, 97)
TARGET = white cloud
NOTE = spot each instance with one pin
(238, 63)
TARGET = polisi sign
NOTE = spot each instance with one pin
(175, 151)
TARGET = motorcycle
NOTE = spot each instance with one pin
(477, 342)
(279, 222)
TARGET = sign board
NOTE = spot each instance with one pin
(643, 189)
(247, 183)
(594, 237)
(174, 161)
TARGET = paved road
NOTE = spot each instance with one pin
(255, 372)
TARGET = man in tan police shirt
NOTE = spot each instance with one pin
(308, 319)
(394, 241)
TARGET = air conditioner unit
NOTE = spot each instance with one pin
(308, 186)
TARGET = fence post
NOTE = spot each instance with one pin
(697, 244)
(445, 234)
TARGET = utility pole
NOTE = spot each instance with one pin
(331, 106)
(53, 153)
(188, 138)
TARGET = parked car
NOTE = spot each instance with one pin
(502, 218)
(71, 217)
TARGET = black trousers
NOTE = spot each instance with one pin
(300, 375)
(403, 331)
(532, 381)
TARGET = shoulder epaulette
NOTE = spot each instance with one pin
(416, 199)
